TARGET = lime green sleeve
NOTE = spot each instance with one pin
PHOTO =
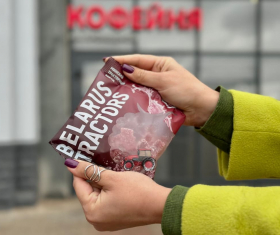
(255, 142)
(218, 130)
(254, 153)
(231, 210)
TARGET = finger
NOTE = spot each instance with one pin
(96, 191)
(83, 190)
(145, 77)
(147, 62)
(79, 171)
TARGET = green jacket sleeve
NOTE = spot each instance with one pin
(171, 218)
(218, 129)
(254, 153)
(231, 210)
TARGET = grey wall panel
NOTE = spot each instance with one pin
(7, 177)
(220, 69)
(181, 155)
(209, 163)
(55, 179)
(26, 174)
(163, 167)
(271, 26)
(228, 26)
(270, 76)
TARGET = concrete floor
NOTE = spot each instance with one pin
(57, 217)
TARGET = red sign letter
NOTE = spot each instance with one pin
(136, 18)
(183, 20)
(90, 14)
(171, 19)
(74, 16)
(195, 18)
(118, 18)
(154, 16)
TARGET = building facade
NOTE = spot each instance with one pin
(232, 43)
(19, 103)
(54, 49)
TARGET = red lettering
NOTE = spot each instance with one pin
(183, 20)
(90, 15)
(195, 18)
(170, 19)
(154, 16)
(136, 18)
(189, 20)
(118, 18)
(74, 17)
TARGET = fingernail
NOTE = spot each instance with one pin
(127, 68)
(104, 58)
(71, 163)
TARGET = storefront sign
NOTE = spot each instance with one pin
(138, 18)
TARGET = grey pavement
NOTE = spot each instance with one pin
(57, 217)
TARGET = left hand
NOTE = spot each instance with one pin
(120, 199)
(175, 84)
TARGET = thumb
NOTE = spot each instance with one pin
(144, 77)
(85, 170)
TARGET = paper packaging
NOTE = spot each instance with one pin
(119, 125)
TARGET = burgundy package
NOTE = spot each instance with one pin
(119, 125)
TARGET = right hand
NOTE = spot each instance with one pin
(175, 84)
(120, 199)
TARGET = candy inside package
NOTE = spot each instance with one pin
(120, 125)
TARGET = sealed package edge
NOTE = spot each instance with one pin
(120, 125)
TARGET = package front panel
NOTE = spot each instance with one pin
(119, 124)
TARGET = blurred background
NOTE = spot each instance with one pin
(51, 50)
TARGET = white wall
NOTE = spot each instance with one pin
(19, 105)
(7, 72)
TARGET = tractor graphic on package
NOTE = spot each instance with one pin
(144, 158)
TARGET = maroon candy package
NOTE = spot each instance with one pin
(119, 125)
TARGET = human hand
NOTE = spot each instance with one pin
(120, 199)
(175, 84)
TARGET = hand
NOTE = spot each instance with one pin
(175, 84)
(120, 199)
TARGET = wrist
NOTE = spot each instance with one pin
(161, 196)
(206, 105)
